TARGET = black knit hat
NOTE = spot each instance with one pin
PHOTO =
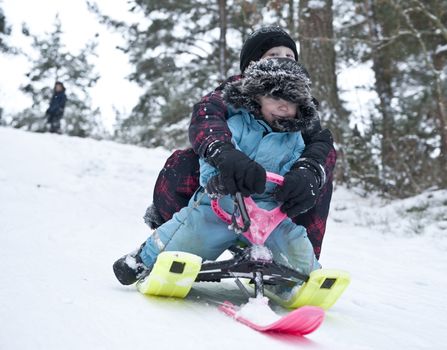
(276, 77)
(262, 40)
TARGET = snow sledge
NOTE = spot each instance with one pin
(174, 274)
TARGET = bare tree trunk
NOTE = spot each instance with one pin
(383, 72)
(289, 16)
(317, 52)
(223, 67)
(291, 24)
(442, 117)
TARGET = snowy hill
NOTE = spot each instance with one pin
(69, 207)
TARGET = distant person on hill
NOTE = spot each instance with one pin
(55, 112)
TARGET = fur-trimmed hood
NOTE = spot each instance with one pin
(276, 77)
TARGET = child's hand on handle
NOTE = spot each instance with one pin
(238, 173)
(215, 186)
(299, 192)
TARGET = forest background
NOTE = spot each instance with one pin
(390, 130)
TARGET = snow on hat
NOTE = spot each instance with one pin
(262, 40)
(276, 77)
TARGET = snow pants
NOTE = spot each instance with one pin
(196, 229)
(55, 122)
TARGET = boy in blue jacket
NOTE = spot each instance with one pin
(269, 106)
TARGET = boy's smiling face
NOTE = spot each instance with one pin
(273, 109)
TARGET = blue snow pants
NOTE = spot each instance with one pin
(196, 229)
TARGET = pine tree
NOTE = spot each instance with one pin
(177, 58)
(411, 91)
(363, 167)
(182, 54)
(55, 63)
(403, 40)
(4, 31)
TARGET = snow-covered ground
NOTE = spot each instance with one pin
(69, 207)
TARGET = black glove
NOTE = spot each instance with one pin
(299, 192)
(238, 173)
(153, 218)
(215, 186)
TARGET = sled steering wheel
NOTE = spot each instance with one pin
(262, 222)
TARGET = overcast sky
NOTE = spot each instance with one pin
(79, 25)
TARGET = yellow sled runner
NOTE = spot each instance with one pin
(172, 275)
(323, 289)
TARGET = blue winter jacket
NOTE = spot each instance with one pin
(275, 151)
(57, 104)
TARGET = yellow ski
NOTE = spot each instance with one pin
(323, 289)
(172, 275)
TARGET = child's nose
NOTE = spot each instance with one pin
(283, 107)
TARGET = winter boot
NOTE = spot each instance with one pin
(130, 268)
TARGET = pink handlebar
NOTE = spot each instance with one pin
(275, 178)
(263, 222)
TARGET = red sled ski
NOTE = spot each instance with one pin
(299, 322)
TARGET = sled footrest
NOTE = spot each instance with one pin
(323, 289)
(173, 275)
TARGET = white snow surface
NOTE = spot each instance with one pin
(258, 311)
(70, 207)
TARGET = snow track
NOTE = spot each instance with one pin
(69, 207)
